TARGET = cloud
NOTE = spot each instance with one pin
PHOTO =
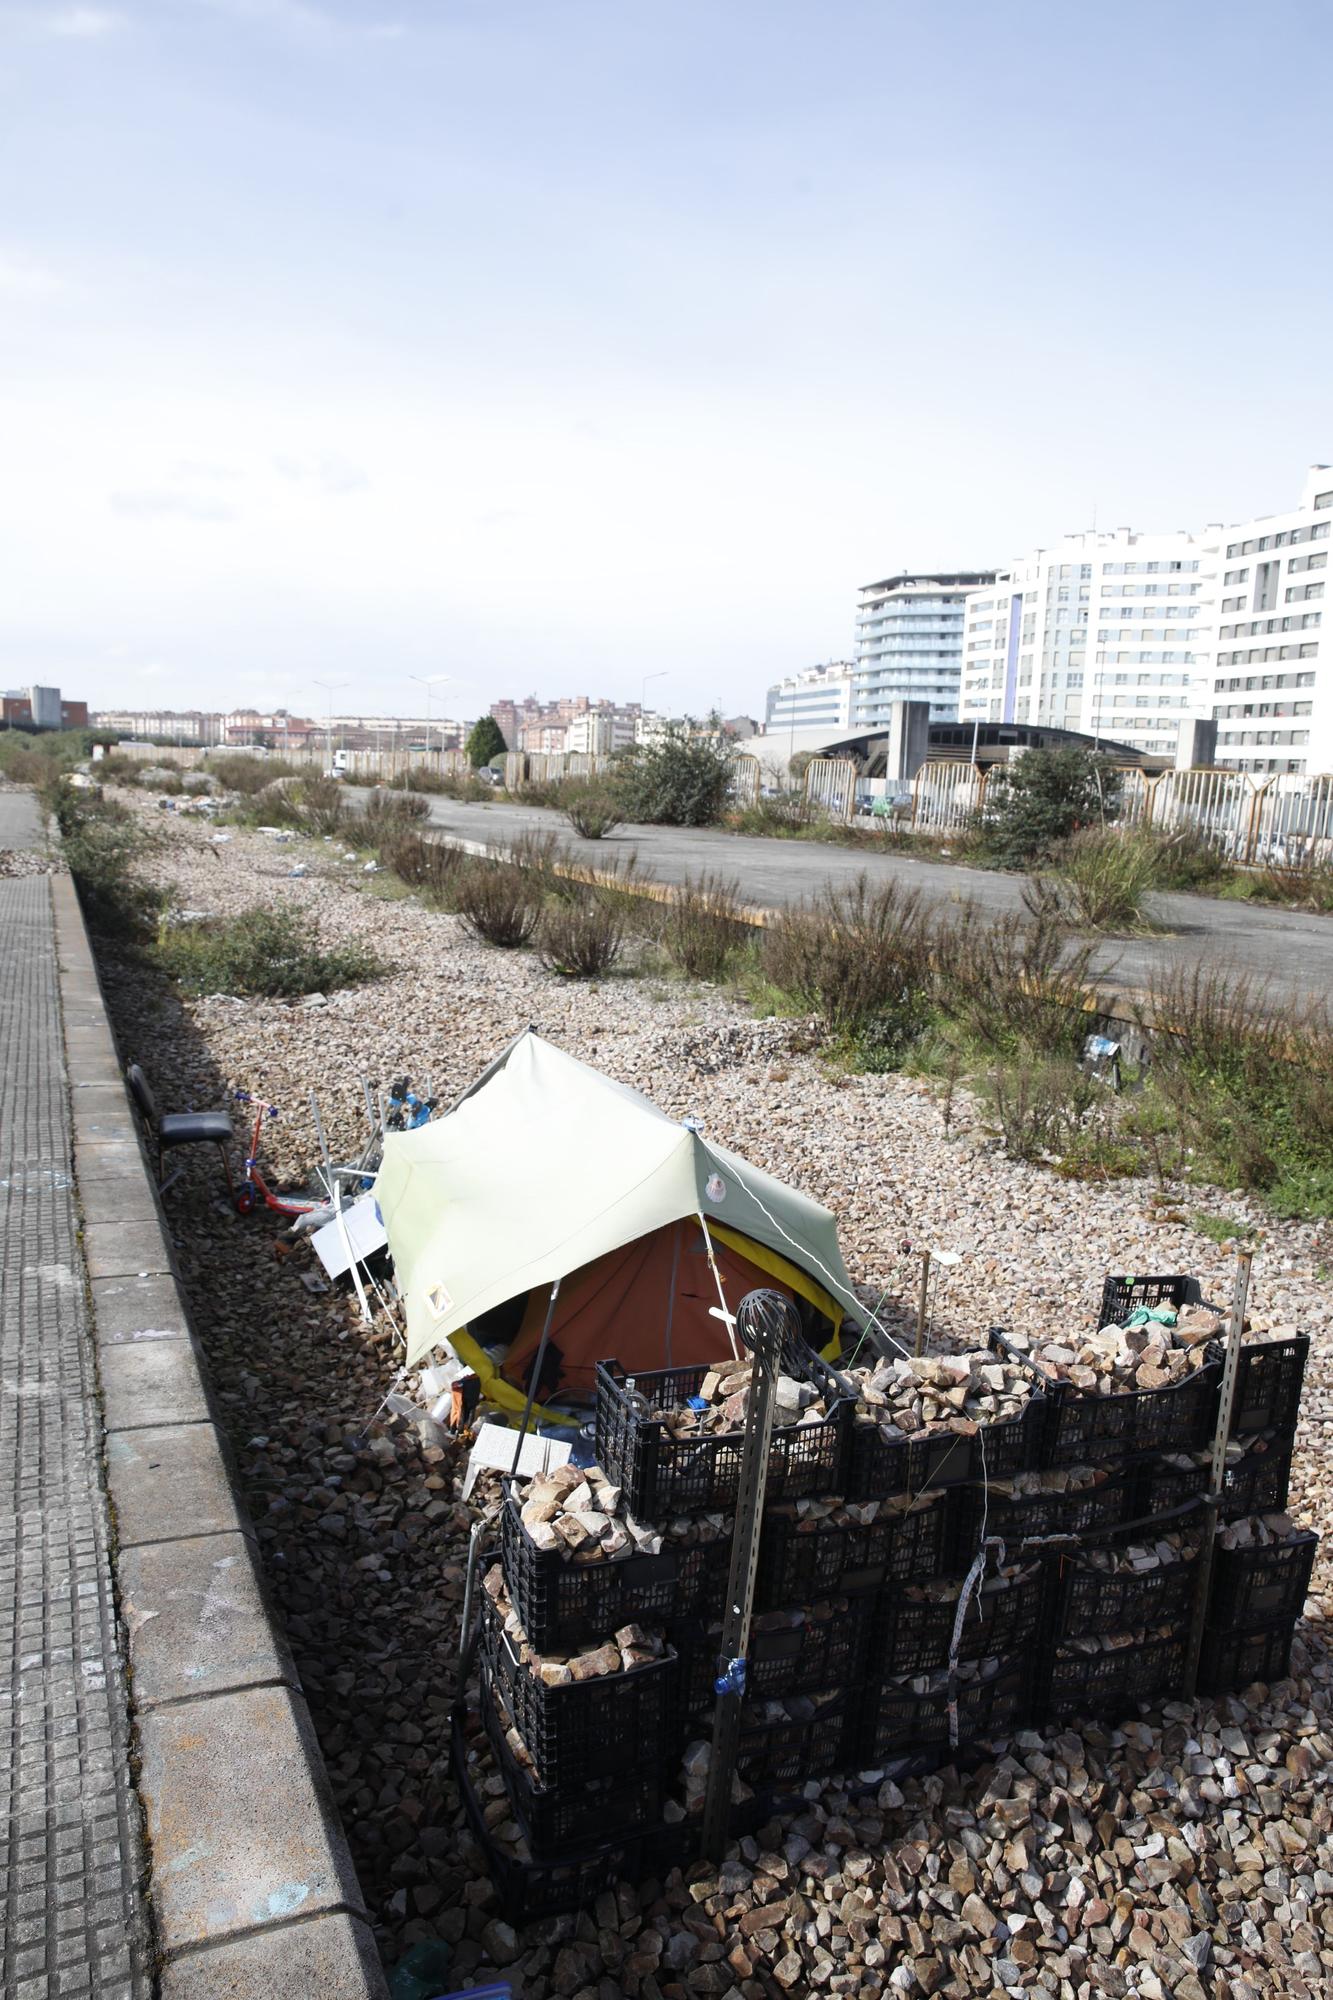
(165, 505)
(329, 473)
(21, 278)
(82, 24)
(303, 17)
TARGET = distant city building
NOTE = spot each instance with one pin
(1270, 661)
(1105, 632)
(909, 643)
(172, 725)
(545, 726)
(41, 708)
(812, 697)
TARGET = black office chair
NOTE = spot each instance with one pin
(179, 1128)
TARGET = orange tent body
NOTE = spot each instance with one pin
(650, 1304)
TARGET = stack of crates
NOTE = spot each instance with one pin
(859, 1657)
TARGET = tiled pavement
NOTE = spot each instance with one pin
(72, 1923)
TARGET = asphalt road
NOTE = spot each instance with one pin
(1290, 951)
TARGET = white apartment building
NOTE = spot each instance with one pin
(909, 644)
(814, 697)
(1107, 633)
(1271, 662)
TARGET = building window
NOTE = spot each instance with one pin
(1322, 500)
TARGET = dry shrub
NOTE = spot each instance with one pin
(1015, 981)
(855, 956)
(1101, 878)
(580, 939)
(1041, 1108)
(702, 927)
(591, 810)
(386, 809)
(499, 904)
(432, 866)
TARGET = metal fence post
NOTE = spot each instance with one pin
(1217, 1469)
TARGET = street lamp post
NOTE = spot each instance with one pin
(330, 688)
(429, 681)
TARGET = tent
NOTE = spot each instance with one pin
(547, 1169)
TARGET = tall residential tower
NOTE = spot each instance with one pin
(909, 644)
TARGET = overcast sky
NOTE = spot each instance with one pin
(554, 343)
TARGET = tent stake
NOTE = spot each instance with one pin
(921, 1298)
(1218, 1470)
(764, 1318)
(535, 1377)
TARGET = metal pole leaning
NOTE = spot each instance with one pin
(1217, 1471)
(763, 1320)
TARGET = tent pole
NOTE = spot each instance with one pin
(535, 1377)
(728, 1317)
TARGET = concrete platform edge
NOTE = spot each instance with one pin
(220, 1729)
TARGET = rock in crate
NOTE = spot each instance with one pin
(1140, 1578)
(563, 1601)
(924, 1421)
(1110, 1673)
(1091, 1420)
(1039, 1506)
(1261, 1572)
(783, 1743)
(530, 1889)
(914, 1622)
(556, 1819)
(1230, 1661)
(811, 1547)
(645, 1442)
(586, 1717)
(1269, 1377)
(909, 1713)
(791, 1652)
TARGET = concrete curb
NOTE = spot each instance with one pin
(253, 1889)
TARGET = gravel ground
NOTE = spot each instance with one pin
(1188, 1853)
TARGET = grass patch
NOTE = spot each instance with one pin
(1222, 1228)
(104, 847)
(268, 952)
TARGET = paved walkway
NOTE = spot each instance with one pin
(1290, 951)
(71, 1915)
(20, 818)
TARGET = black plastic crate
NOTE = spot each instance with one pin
(804, 1566)
(564, 1816)
(879, 1466)
(590, 1729)
(1229, 1661)
(529, 1890)
(896, 1719)
(1111, 1683)
(1123, 1296)
(663, 1475)
(1034, 1517)
(829, 1649)
(1160, 1488)
(1086, 1600)
(1088, 1429)
(1259, 1482)
(785, 1753)
(1261, 1586)
(1003, 1617)
(1269, 1376)
(563, 1603)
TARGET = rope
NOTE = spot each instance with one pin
(970, 1582)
